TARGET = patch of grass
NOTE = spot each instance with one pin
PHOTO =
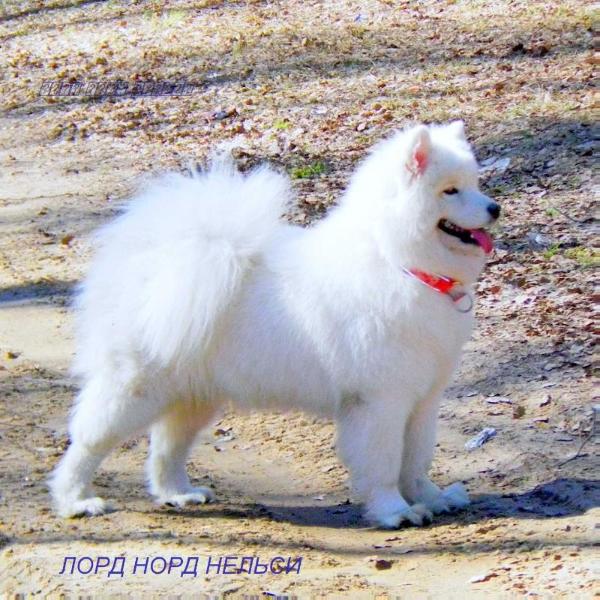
(164, 20)
(308, 171)
(281, 124)
(586, 257)
(22, 31)
(541, 102)
(498, 189)
(552, 212)
(350, 63)
(174, 17)
(551, 251)
(239, 43)
(358, 31)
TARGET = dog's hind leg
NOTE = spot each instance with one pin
(419, 448)
(370, 443)
(102, 418)
(172, 437)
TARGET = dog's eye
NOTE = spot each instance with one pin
(451, 191)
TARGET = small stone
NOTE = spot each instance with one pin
(498, 400)
(550, 366)
(480, 439)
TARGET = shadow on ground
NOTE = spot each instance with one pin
(44, 292)
(559, 498)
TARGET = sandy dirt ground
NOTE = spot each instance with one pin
(309, 86)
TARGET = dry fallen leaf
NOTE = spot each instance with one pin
(483, 578)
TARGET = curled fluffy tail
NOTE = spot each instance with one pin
(169, 267)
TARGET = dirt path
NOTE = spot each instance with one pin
(310, 91)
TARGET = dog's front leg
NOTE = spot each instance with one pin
(419, 446)
(370, 443)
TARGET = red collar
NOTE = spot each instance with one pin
(441, 284)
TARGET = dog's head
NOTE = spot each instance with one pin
(423, 190)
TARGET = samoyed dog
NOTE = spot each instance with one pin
(200, 295)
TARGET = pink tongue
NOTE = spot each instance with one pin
(483, 238)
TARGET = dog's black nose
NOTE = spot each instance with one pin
(494, 210)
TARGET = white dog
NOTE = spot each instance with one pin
(199, 295)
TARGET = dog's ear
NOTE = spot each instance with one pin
(457, 129)
(419, 151)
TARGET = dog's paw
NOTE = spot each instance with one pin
(456, 496)
(86, 507)
(417, 514)
(424, 512)
(199, 495)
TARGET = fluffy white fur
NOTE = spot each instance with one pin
(199, 294)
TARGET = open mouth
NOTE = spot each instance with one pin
(477, 237)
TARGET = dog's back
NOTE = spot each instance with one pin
(172, 263)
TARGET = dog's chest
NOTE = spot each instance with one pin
(442, 330)
(430, 339)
